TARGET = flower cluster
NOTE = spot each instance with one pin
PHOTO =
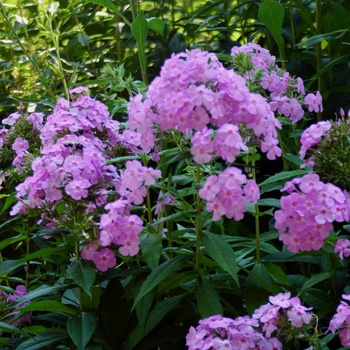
(286, 94)
(282, 314)
(341, 321)
(228, 192)
(312, 136)
(326, 144)
(20, 291)
(219, 333)
(72, 176)
(195, 91)
(308, 211)
(282, 318)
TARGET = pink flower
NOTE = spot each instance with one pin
(269, 145)
(20, 145)
(210, 188)
(129, 245)
(11, 119)
(77, 189)
(298, 314)
(251, 192)
(345, 337)
(89, 251)
(342, 248)
(104, 259)
(281, 299)
(314, 102)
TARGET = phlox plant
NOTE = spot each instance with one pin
(128, 233)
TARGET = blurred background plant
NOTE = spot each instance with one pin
(46, 45)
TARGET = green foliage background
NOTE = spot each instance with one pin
(77, 41)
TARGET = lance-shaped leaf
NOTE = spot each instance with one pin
(160, 273)
(220, 251)
(81, 327)
(83, 274)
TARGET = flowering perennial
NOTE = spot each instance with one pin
(228, 192)
(341, 321)
(285, 94)
(221, 333)
(71, 174)
(282, 318)
(282, 314)
(195, 91)
(308, 211)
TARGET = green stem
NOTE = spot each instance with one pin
(257, 219)
(197, 221)
(55, 40)
(134, 8)
(149, 207)
(319, 63)
(31, 59)
(27, 251)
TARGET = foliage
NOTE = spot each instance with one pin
(141, 183)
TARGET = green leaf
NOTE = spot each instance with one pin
(271, 13)
(277, 274)
(157, 25)
(151, 247)
(8, 266)
(208, 301)
(84, 275)
(160, 310)
(48, 306)
(80, 328)
(139, 28)
(271, 202)
(321, 37)
(9, 201)
(319, 277)
(220, 251)
(8, 328)
(42, 341)
(160, 273)
(91, 302)
(43, 290)
(282, 176)
(258, 287)
(110, 6)
(11, 240)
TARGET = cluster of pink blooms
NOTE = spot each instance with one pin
(311, 137)
(78, 139)
(308, 211)
(118, 226)
(228, 192)
(221, 333)
(282, 307)
(286, 93)
(282, 315)
(341, 321)
(20, 291)
(195, 92)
